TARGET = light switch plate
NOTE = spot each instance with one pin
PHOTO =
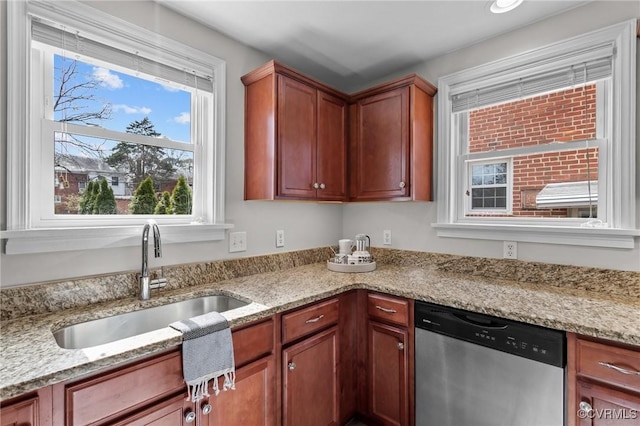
(237, 242)
(386, 237)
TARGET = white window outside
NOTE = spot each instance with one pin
(553, 130)
(128, 77)
(489, 187)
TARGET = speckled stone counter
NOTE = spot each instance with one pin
(589, 301)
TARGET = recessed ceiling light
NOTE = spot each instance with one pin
(501, 6)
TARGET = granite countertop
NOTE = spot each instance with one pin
(30, 357)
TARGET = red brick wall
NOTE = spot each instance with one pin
(562, 117)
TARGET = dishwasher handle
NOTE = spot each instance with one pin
(480, 321)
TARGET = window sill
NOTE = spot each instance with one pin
(594, 237)
(73, 239)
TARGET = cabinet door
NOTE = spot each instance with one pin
(332, 145)
(600, 405)
(171, 412)
(381, 150)
(252, 403)
(388, 374)
(296, 146)
(20, 414)
(311, 384)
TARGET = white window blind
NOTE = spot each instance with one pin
(62, 38)
(598, 66)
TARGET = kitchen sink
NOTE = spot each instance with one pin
(110, 329)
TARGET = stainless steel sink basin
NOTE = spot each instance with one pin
(110, 329)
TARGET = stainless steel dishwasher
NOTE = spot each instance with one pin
(478, 370)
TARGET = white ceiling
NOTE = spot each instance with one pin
(348, 44)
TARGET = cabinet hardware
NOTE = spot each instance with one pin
(322, 186)
(291, 366)
(619, 369)
(190, 417)
(387, 310)
(402, 185)
(400, 345)
(316, 185)
(585, 407)
(206, 408)
(312, 320)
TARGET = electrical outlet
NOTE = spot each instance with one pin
(280, 238)
(510, 250)
(386, 237)
(237, 241)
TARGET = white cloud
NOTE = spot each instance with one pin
(183, 118)
(131, 109)
(108, 80)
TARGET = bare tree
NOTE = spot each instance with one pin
(75, 94)
(75, 101)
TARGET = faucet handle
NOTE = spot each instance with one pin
(157, 283)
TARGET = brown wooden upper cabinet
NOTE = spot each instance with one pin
(391, 141)
(295, 137)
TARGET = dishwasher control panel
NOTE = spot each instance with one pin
(517, 338)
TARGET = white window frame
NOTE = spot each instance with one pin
(469, 187)
(27, 230)
(620, 158)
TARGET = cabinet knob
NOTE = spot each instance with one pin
(291, 366)
(322, 186)
(316, 185)
(189, 417)
(585, 408)
(400, 346)
(206, 408)
(402, 185)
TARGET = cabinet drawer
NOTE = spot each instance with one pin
(388, 309)
(308, 320)
(253, 342)
(622, 364)
(105, 397)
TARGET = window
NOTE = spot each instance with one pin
(111, 102)
(490, 188)
(542, 140)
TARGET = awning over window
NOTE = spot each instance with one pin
(568, 195)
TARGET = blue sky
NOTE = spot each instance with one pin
(134, 98)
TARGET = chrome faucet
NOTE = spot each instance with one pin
(145, 283)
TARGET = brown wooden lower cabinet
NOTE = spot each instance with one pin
(603, 382)
(606, 406)
(388, 374)
(310, 380)
(24, 413)
(29, 410)
(253, 401)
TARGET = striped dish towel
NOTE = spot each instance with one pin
(207, 354)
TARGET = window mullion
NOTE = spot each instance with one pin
(100, 132)
(536, 149)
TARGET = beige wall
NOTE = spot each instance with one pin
(411, 224)
(306, 225)
(309, 224)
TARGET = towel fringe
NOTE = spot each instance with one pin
(198, 390)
